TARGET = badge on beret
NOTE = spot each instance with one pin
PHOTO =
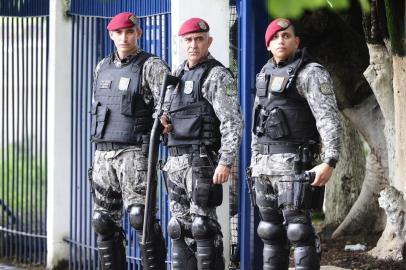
(326, 89)
(133, 19)
(123, 84)
(202, 25)
(283, 24)
(105, 84)
(188, 87)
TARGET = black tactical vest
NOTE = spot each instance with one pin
(282, 114)
(119, 112)
(193, 118)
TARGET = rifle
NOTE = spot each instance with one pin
(157, 128)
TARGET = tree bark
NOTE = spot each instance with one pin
(346, 179)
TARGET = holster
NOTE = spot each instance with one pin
(204, 192)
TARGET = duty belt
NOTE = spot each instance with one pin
(278, 148)
(110, 146)
(175, 151)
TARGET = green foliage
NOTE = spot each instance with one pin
(295, 8)
(395, 14)
(22, 183)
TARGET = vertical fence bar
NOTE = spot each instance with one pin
(85, 55)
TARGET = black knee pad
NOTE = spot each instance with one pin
(174, 229)
(204, 228)
(178, 229)
(301, 234)
(136, 217)
(200, 228)
(103, 225)
(271, 233)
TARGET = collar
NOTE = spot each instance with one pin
(126, 59)
(204, 59)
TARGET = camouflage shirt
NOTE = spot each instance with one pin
(315, 85)
(153, 71)
(220, 90)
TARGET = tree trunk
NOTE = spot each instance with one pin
(368, 120)
(392, 198)
(347, 177)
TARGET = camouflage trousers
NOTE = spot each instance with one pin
(179, 171)
(273, 176)
(119, 177)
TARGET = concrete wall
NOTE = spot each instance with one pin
(58, 135)
(217, 14)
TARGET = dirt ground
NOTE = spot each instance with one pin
(333, 253)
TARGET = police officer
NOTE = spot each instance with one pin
(203, 123)
(294, 106)
(125, 92)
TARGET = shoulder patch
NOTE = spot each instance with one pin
(326, 89)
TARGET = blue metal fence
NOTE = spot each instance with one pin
(90, 44)
(23, 124)
(252, 55)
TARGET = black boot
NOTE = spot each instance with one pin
(205, 254)
(183, 257)
(306, 258)
(276, 257)
(153, 253)
(112, 253)
(219, 263)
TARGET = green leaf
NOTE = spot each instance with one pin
(365, 5)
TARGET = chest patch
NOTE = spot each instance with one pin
(123, 84)
(188, 87)
(277, 84)
(105, 84)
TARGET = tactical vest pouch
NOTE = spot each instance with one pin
(126, 104)
(260, 117)
(99, 117)
(204, 192)
(276, 126)
(186, 128)
(261, 85)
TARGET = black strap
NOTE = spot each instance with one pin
(108, 205)
(109, 193)
(177, 194)
(110, 146)
(267, 149)
(180, 150)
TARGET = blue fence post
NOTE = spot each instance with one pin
(245, 63)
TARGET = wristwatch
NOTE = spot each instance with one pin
(331, 162)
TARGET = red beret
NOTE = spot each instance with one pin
(122, 20)
(275, 26)
(193, 25)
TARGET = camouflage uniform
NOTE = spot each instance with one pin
(124, 170)
(220, 91)
(273, 173)
(120, 172)
(314, 84)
